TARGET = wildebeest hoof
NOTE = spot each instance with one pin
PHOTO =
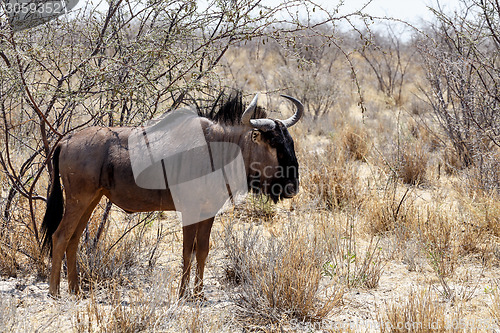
(196, 297)
(199, 297)
(55, 296)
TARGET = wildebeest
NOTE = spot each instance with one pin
(95, 162)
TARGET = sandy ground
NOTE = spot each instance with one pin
(26, 307)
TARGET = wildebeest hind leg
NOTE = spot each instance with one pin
(74, 210)
(73, 247)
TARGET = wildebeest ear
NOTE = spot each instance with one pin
(256, 136)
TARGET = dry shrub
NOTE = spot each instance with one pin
(236, 246)
(118, 317)
(436, 233)
(406, 159)
(279, 275)
(479, 179)
(333, 183)
(354, 140)
(413, 256)
(419, 312)
(19, 250)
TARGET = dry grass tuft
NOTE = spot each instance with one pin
(19, 249)
(479, 217)
(484, 209)
(261, 207)
(412, 163)
(334, 183)
(122, 250)
(495, 304)
(9, 243)
(279, 275)
(437, 236)
(143, 309)
(425, 135)
(348, 264)
(419, 312)
(390, 210)
(355, 142)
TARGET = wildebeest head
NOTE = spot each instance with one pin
(273, 169)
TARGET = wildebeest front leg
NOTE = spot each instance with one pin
(188, 239)
(202, 249)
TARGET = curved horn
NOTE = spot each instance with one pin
(247, 115)
(298, 114)
(263, 124)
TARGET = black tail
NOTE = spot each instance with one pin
(55, 207)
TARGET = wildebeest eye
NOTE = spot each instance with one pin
(273, 143)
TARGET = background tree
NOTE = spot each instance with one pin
(461, 65)
(389, 58)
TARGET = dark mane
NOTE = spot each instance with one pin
(228, 108)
